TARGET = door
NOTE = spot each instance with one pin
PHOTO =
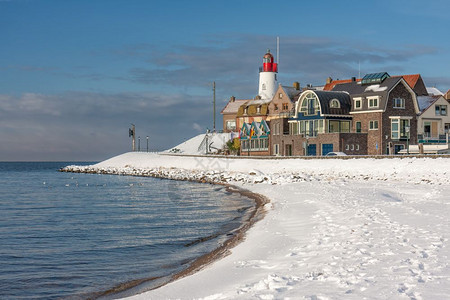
(434, 130)
(288, 150)
(312, 150)
(326, 148)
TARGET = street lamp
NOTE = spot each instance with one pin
(147, 143)
(139, 144)
(407, 128)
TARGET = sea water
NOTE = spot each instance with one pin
(66, 235)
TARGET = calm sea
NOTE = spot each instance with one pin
(65, 235)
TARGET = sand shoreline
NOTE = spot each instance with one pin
(126, 289)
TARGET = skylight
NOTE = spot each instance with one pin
(374, 78)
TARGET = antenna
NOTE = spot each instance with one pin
(359, 71)
(278, 50)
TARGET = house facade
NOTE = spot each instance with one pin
(385, 108)
(321, 124)
(254, 139)
(434, 119)
(229, 114)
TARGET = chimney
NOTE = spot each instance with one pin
(353, 79)
(329, 80)
(232, 98)
(297, 85)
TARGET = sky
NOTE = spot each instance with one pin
(75, 74)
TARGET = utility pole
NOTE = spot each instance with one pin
(214, 106)
(132, 134)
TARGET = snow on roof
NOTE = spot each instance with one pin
(426, 101)
(375, 88)
(434, 91)
(233, 106)
(291, 91)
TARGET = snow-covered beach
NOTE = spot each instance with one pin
(361, 228)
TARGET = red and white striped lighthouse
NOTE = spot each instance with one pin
(268, 77)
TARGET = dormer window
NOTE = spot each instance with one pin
(245, 111)
(357, 102)
(373, 102)
(258, 110)
(334, 103)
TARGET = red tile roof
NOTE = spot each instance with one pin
(330, 86)
(410, 79)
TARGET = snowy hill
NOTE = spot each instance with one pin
(197, 144)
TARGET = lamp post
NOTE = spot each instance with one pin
(147, 143)
(306, 148)
(139, 144)
(407, 128)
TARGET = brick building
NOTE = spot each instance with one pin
(386, 109)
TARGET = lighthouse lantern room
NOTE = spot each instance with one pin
(268, 77)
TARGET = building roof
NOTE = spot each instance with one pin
(325, 98)
(411, 80)
(434, 91)
(426, 101)
(330, 86)
(232, 106)
(355, 88)
(291, 92)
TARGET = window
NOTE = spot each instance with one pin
(334, 103)
(357, 103)
(399, 129)
(373, 102)
(245, 111)
(373, 125)
(275, 107)
(447, 127)
(258, 110)
(338, 126)
(309, 105)
(353, 147)
(347, 147)
(276, 149)
(285, 106)
(441, 110)
(280, 95)
(231, 125)
(357, 147)
(333, 126)
(358, 127)
(263, 86)
(293, 128)
(399, 103)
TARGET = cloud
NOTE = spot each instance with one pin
(93, 126)
(234, 65)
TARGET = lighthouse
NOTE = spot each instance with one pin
(268, 77)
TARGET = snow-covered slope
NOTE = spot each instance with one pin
(197, 144)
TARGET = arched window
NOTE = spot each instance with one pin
(334, 103)
(310, 105)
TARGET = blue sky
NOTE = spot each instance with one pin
(75, 74)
